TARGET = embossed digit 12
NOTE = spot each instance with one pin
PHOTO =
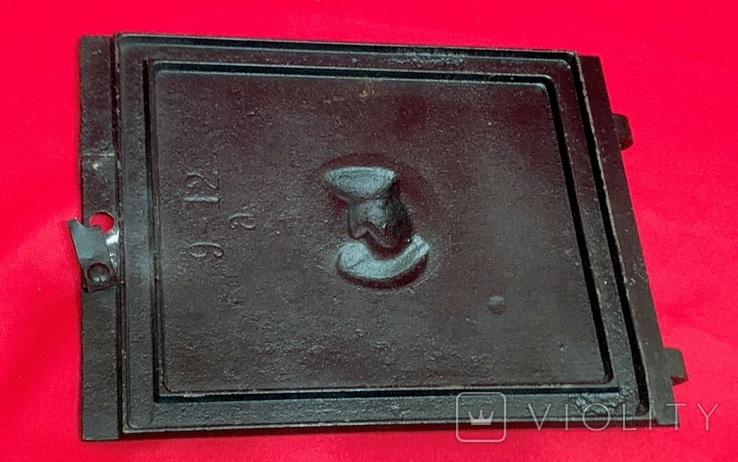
(205, 189)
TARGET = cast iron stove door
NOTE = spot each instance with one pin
(329, 234)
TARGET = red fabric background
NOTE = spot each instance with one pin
(672, 69)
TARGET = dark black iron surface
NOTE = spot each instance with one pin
(316, 234)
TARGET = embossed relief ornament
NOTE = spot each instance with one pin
(385, 252)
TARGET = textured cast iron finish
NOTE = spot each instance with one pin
(313, 234)
(390, 253)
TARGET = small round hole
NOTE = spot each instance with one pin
(98, 273)
(103, 220)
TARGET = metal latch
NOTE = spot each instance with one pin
(97, 254)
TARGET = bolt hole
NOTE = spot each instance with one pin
(98, 273)
(103, 220)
